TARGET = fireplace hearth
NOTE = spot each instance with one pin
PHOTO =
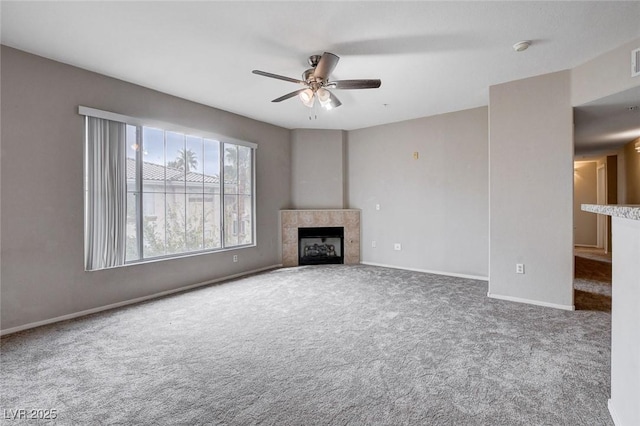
(321, 245)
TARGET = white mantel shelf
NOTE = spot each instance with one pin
(625, 312)
(614, 210)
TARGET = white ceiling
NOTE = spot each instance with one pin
(432, 57)
(607, 123)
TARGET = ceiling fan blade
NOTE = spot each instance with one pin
(355, 84)
(326, 66)
(278, 77)
(288, 95)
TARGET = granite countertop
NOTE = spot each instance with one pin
(624, 211)
(320, 210)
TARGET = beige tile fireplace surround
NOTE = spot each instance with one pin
(291, 220)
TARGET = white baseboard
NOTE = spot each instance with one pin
(427, 271)
(532, 302)
(612, 412)
(131, 301)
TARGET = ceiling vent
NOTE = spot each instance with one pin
(635, 63)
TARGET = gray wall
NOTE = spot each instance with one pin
(42, 190)
(318, 162)
(585, 192)
(435, 206)
(604, 75)
(531, 190)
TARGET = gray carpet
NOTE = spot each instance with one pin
(322, 345)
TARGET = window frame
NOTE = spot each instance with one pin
(222, 140)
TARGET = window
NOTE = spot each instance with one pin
(185, 193)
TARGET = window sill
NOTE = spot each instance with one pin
(176, 256)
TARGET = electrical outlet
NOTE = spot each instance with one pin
(373, 244)
(397, 246)
(235, 257)
(377, 206)
(519, 268)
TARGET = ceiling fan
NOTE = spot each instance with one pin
(316, 82)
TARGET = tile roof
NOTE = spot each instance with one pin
(153, 171)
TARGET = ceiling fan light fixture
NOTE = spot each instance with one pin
(331, 104)
(324, 97)
(316, 79)
(306, 96)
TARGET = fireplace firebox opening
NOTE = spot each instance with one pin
(321, 245)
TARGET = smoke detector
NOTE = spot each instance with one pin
(521, 45)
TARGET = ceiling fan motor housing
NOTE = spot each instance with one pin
(314, 59)
(307, 76)
(312, 81)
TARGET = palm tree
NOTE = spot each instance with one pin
(237, 161)
(186, 160)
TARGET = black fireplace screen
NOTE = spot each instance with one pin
(320, 245)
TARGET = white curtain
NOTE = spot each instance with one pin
(106, 193)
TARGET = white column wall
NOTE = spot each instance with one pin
(531, 190)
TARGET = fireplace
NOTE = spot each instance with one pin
(347, 219)
(321, 245)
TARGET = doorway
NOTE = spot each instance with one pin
(592, 260)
